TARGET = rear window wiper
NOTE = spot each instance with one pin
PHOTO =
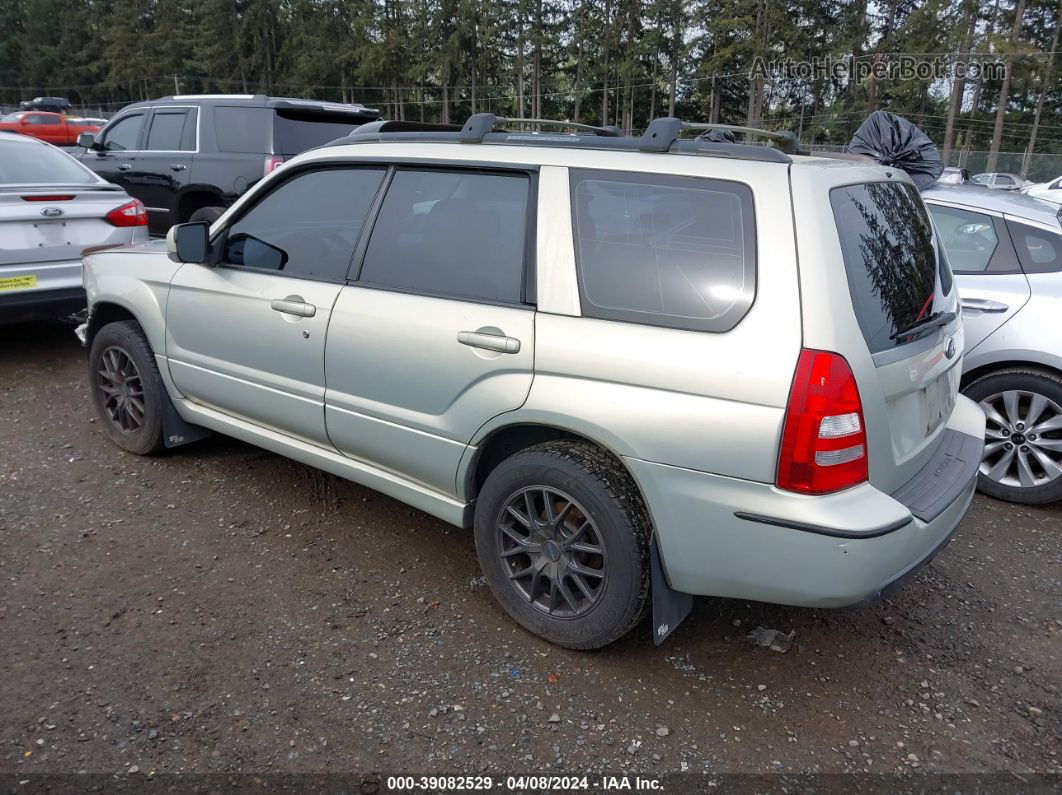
(935, 320)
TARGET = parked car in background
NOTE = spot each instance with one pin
(48, 104)
(1006, 252)
(1000, 181)
(189, 157)
(51, 209)
(51, 127)
(954, 176)
(596, 350)
(1048, 191)
(93, 121)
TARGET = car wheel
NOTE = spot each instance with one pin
(563, 539)
(1023, 435)
(208, 214)
(126, 387)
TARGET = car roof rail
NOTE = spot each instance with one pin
(663, 132)
(480, 124)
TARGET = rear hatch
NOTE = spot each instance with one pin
(876, 289)
(54, 223)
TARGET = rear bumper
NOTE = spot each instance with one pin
(835, 550)
(23, 305)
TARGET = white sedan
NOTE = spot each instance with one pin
(1049, 191)
(51, 209)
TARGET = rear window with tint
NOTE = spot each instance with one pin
(22, 164)
(296, 132)
(887, 245)
(664, 250)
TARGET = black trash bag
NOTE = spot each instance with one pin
(717, 137)
(893, 141)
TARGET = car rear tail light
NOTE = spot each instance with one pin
(824, 442)
(272, 163)
(51, 197)
(132, 213)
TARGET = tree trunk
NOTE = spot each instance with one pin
(605, 64)
(958, 85)
(676, 45)
(520, 69)
(979, 85)
(445, 103)
(536, 111)
(1004, 91)
(1045, 86)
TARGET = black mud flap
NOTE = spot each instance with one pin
(670, 607)
(175, 431)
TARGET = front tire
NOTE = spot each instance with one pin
(1023, 436)
(126, 389)
(563, 540)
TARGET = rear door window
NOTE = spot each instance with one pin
(664, 250)
(167, 127)
(969, 238)
(461, 234)
(889, 256)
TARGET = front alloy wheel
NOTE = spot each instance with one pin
(121, 390)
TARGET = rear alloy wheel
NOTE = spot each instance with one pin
(563, 539)
(552, 552)
(1023, 435)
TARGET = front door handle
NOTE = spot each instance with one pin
(178, 166)
(983, 305)
(125, 166)
(489, 342)
(293, 305)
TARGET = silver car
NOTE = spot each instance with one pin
(51, 209)
(639, 368)
(1006, 251)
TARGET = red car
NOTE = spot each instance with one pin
(51, 127)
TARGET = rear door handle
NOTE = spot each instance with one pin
(178, 166)
(489, 342)
(293, 305)
(125, 166)
(983, 305)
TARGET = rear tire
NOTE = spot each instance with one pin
(208, 214)
(1023, 409)
(563, 540)
(126, 388)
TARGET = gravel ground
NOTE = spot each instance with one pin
(222, 610)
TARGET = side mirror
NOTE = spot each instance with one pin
(86, 140)
(189, 242)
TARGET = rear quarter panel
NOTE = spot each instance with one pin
(707, 401)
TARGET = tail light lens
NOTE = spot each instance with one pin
(132, 213)
(272, 163)
(824, 442)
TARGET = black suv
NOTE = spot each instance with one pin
(189, 157)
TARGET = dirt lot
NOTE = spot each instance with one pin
(220, 609)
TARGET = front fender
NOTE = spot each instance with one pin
(135, 279)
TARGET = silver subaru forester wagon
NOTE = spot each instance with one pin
(641, 368)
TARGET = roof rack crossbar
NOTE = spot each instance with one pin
(661, 133)
(479, 125)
